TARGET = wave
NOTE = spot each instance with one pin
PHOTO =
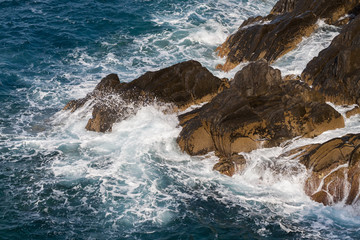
(60, 180)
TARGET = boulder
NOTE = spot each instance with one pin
(276, 34)
(181, 85)
(258, 110)
(335, 72)
(230, 165)
(334, 169)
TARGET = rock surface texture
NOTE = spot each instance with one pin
(336, 71)
(230, 165)
(334, 169)
(181, 85)
(276, 34)
(258, 110)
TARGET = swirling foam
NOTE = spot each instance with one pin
(134, 182)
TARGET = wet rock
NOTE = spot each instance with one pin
(181, 85)
(258, 110)
(272, 36)
(352, 112)
(284, 6)
(257, 79)
(108, 85)
(230, 165)
(292, 77)
(335, 72)
(334, 169)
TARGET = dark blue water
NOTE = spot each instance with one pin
(58, 181)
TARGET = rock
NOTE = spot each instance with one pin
(258, 110)
(230, 165)
(272, 36)
(335, 72)
(108, 85)
(283, 6)
(349, 17)
(292, 77)
(257, 79)
(334, 169)
(352, 112)
(181, 85)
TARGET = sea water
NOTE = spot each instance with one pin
(59, 181)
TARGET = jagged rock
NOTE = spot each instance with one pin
(258, 110)
(257, 79)
(108, 85)
(334, 169)
(349, 17)
(182, 85)
(352, 112)
(272, 36)
(292, 77)
(283, 6)
(230, 165)
(335, 72)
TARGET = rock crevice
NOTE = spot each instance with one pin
(334, 169)
(258, 110)
(276, 34)
(335, 72)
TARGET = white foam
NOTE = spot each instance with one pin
(210, 33)
(142, 175)
(295, 61)
(145, 178)
(120, 156)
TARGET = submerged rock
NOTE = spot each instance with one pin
(335, 72)
(258, 110)
(182, 85)
(272, 36)
(334, 169)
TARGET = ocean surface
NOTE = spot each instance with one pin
(59, 181)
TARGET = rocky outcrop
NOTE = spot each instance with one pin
(181, 85)
(272, 36)
(334, 169)
(335, 72)
(258, 110)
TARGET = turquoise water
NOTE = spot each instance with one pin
(58, 181)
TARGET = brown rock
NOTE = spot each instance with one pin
(321, 197)
(335, 72)
(257, 79)
(182, 85)
(230, 165)
(352, 112)
(283, 6)
(108, 85)
(258, 110)
(335, 169)
(281, 31)
(292, 77)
